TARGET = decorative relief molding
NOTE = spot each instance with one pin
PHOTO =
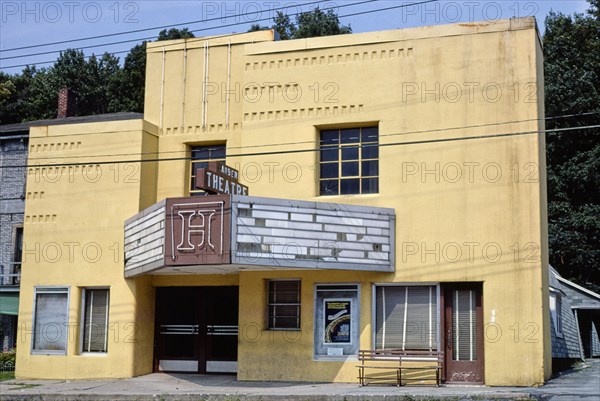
(197, 129)
(40, 218)
(54, 147)
(35, 195)
(348, 57)
(304, 112)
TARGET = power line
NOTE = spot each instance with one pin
(221, 26)
(155, 28)
(425, 141)
(165, 26)
(464, 127)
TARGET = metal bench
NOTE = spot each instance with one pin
(398, 360)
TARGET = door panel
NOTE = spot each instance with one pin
(222, 330)
(463, 333)
(196, 329)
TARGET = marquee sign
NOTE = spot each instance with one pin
(198, 230)
(219, 178)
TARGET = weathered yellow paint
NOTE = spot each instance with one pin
(476, 196)
(81, 244)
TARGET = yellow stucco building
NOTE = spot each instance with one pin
(384, 190)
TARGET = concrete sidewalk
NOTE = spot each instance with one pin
(579, 384)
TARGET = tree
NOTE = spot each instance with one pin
(128, 87)
(572, 74)
(309, 24)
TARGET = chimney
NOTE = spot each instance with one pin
(66, 103)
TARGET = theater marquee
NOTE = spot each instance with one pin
(198, 230)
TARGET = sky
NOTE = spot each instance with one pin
(31, 23)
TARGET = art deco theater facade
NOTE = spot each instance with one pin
(282, 204)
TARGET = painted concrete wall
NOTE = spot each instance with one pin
(74, 237)
(467, 209)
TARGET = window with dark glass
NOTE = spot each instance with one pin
(200, 156)
(284, 304)
(349, 161)
(15, 272)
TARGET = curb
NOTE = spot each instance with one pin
(244, 397)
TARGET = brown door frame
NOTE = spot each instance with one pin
(446, 320)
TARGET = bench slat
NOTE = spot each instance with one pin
(406, 360)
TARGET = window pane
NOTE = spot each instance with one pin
(217, 152)
(330, 137)
(355, 160)
(350, 186)
(200, 152)
(370, 185)
(370, 151)
(329, 170)
(350, 153)
(95, 321)
(390, 308)
(369, 134)
(410, 315)
(370, 168)
(464, 323)
(350, 135)
(284, 304)
(50, 326)
(350, 169)
(329, 154)
(329, 187)
(204, 153)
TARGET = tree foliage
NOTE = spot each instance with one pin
(100, 84)
(309, 24)
(572, 75)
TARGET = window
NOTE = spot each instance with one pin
(200, 155)
(406, 317)
(284, 304)
(17, 257)
(95, 320)
(349, 161)
(556, 312)
(50, 328)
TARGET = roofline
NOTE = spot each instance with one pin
(24, 127)
(580, 288)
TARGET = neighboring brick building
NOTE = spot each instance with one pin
(13, 152)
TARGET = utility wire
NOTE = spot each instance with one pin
(419, 142)
(153, 28)
(465, 127)
(191, 40)
(198, 30)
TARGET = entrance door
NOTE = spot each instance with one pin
(196, 329)
(222, 330)
(463, 323)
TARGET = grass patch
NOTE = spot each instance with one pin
(6, 376)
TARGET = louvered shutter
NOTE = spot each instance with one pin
(95, 321)
(464, 322)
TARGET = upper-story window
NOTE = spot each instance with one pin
(200, 156)
(349, 161)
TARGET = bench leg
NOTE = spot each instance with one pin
(399, 377)
(437, 377)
